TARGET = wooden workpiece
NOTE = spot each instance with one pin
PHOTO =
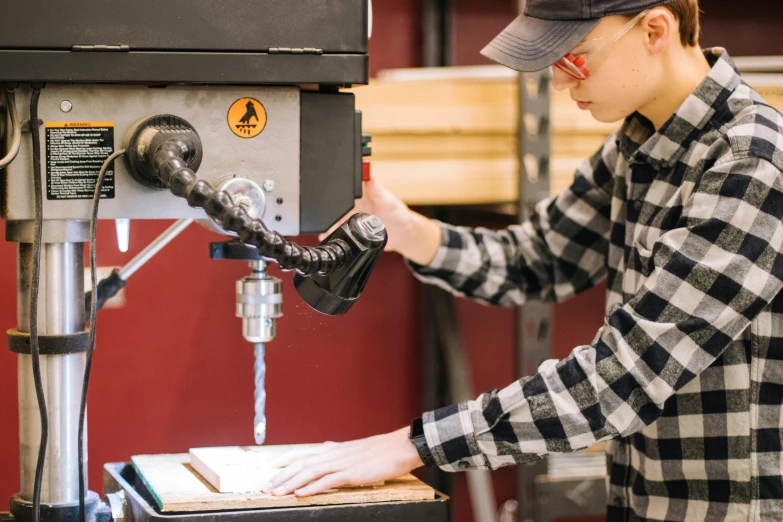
(240, 469)
(233, 469)
(177, 487)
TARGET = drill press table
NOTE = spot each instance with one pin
(168, 490)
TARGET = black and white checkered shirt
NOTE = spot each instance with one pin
(685, 377)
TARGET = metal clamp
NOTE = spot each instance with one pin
(19, 342)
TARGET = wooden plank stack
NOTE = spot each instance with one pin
(441, 138)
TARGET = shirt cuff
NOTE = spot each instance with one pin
(449, 235)
(451, 439)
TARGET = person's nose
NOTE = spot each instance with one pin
(562, 81)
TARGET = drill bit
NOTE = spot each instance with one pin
(260, 395)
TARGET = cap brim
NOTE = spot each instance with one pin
(531, 44)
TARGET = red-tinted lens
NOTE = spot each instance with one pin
(573, 66)
(579, 63)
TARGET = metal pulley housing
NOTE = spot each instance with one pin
(245, 193)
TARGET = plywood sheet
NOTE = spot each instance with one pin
(177, 487)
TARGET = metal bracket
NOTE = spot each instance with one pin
(101, 48)
(438, 31)
(59, 344)
(534, 319)
(295, 50)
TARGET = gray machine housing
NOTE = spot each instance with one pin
(310, 151)
(269, 42)
(182, 56)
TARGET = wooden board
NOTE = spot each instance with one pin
(450, 182)
(476, 107)
(234, 469)
(436, 107)
(239, 469)
(177, 487)
(451, 139)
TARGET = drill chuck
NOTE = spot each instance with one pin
(259, 304)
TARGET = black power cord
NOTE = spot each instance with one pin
(96, 198)
(34, 288)
(16, 128)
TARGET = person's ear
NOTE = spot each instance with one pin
(659, 25)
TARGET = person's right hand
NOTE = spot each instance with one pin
(379, 202)
(410, 234)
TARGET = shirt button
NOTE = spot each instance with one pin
(637, 205)
(464, 464)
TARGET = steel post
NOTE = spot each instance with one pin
(60, 311)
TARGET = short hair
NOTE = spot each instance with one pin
(687, 12)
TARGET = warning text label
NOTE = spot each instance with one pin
(75, 152)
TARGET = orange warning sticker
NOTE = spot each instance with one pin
(247, 118)
(77, 124)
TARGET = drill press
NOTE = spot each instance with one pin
(158, 98)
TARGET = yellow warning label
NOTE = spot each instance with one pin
(247, 118)
(64, 124)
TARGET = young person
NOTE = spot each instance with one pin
(681, 210)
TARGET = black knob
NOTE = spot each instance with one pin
(148, 136)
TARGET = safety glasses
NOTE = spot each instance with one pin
(588, 56)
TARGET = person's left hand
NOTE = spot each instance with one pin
(355, 463)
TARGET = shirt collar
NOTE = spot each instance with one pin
(640, 142)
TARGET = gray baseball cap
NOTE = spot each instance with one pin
(549, 29)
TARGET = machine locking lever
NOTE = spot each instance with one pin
(116, 281)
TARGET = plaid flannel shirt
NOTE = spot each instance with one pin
(685, 377)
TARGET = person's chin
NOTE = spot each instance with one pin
(605, 116)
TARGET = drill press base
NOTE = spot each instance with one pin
(142, 507)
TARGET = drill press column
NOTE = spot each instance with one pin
(60, 311)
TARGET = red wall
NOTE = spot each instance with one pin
(172, 371)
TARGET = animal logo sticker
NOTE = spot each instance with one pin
(247, 118)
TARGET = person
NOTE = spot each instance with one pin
(680, 211)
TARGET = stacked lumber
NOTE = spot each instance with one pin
(443, 142)
(441, 138)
